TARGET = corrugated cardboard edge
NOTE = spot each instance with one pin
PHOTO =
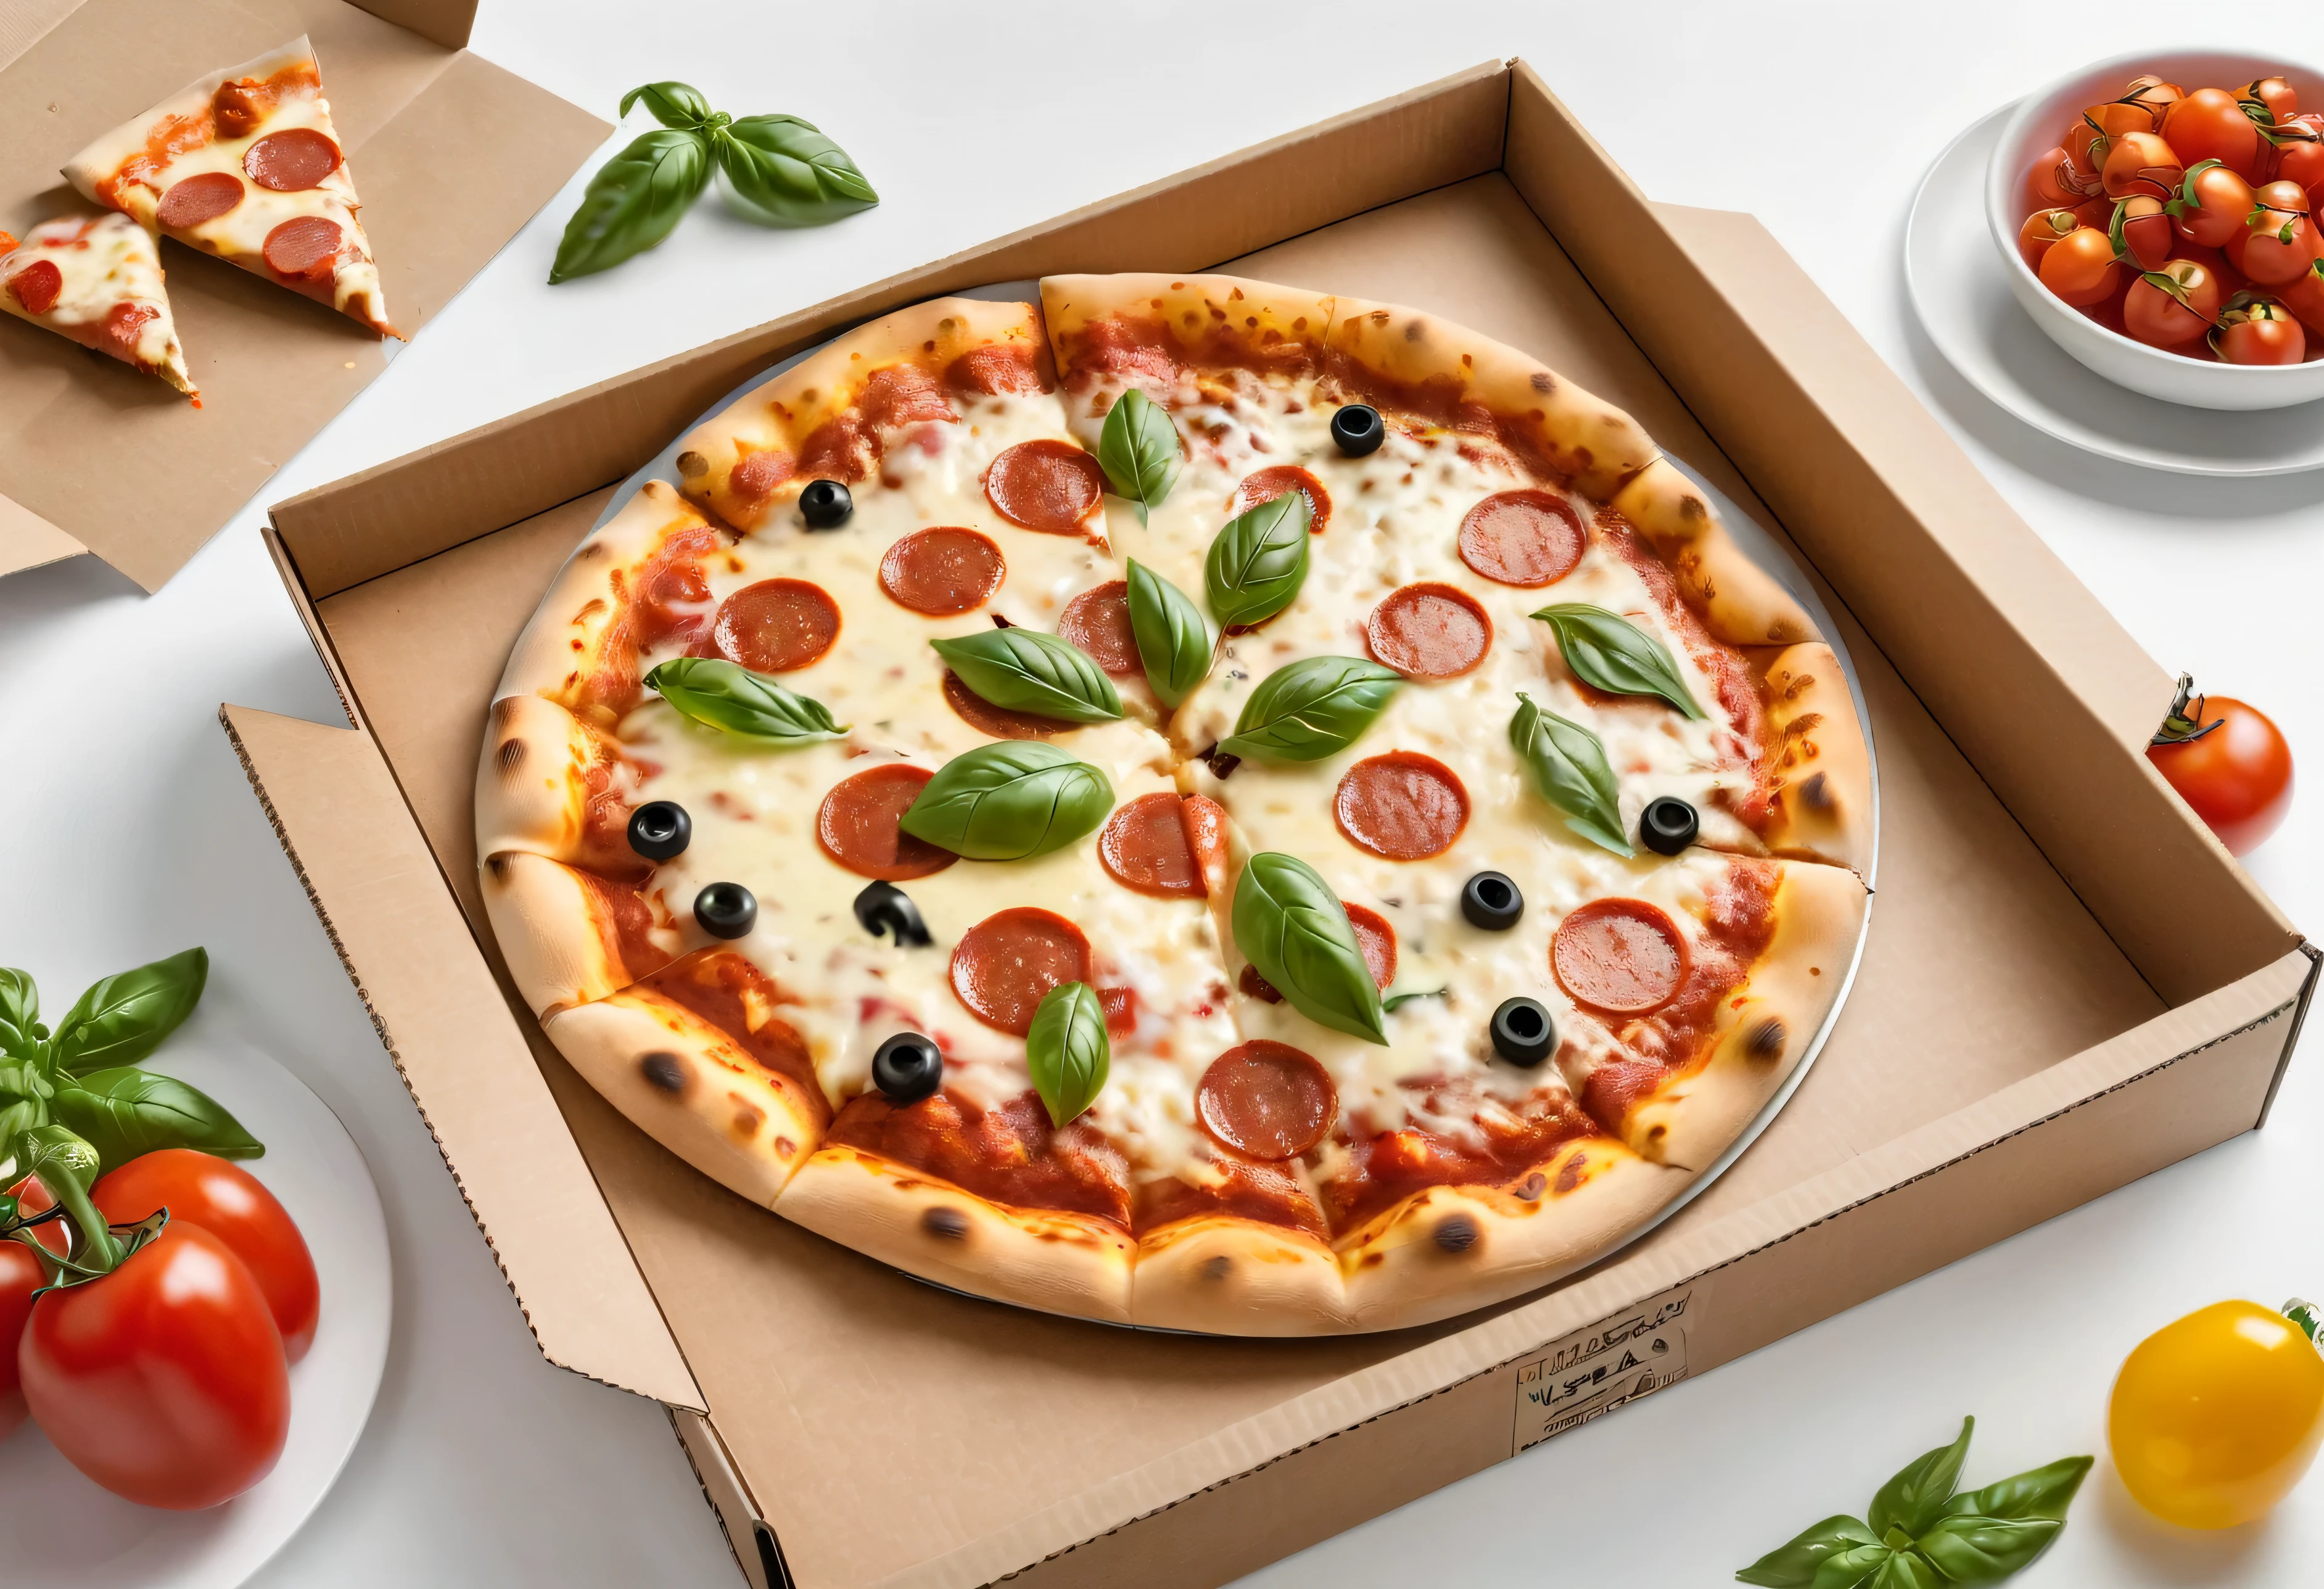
(557, 1246)
(731, 1502)
(27, 541)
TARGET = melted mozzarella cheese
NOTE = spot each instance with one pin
(105, 263)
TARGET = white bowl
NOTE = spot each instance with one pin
(2039, 118)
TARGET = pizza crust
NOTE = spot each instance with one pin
(1057, 1262)
(533, 784)
(1823, 789)
(691, 1088)
(558, 932)
(1739, 601)
(1212, 322)
(1226, 1276)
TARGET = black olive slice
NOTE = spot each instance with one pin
(1668, 824)
(883, 908)
(1359, 429)
(1523, 1032)
(659, 830)
(725, 909)
(1490, 899)
(826, 504)
(907, 1067)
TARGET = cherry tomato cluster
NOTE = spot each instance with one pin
(2186, 220)
(165, 1378)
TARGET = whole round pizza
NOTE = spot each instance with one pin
(1194, 803)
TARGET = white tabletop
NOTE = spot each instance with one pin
(137, 834)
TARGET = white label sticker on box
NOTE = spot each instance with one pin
(1594, 1370)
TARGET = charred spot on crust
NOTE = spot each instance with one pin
(510, 756)
(1216, 1267)
(747, 1119)
(498, 865)
(1457, 1232)
(1766, 1039)
(1531, 1187)
(692, 463)
(1816, 793)
(946, 1224)
(1569, 1174)
(1543, 382)
(663, 1071)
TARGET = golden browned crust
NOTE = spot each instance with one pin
(691, 1088)
(533, 785)
(820, 418)
(1738, 601)
(1203, 323)
(563, 932)
(1071, 1263)
(1823, 789)
(1227, 1276)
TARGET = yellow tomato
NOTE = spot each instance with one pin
(2214, 1418)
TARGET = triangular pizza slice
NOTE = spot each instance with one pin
(99, 282)
(246, 164)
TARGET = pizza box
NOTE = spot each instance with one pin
(273, 368)
(2068, 982)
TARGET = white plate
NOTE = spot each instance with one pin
(73, 1535)
(1963, 300)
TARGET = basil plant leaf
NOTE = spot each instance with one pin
(1175, 644)
(2040, 1492)
(123, 1017)
(673, 104)
(1569, 767)
(125, 1112)
(1138, 451)
(1289, 924)
(1067, 1050)
(1026, 671)
(1258, 562)
(20, 1000)
(782, 171)
(633, 201)
(1315, 707)
(1792, 1564)
(1916, 1496)
(1010, 801)
(1904, 1569)
(750, 705)
(1985, 1550)
(1848, 1568)
(1607, 652)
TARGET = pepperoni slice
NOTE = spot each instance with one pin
(1522, 538)
(1374, 936)
(1098, 621)
(1000, 722)
(776, 626)
(1268, 484)
(755, 477)
(1206, 836)
(303, 245)
(1007, 964)
(125, 323)
(1045, 486)
(943, 572)
(291, 160)
(1624, 957)
(199, 198)
(1120, 1007)
(1265, 1100)
(1429, 632)
(1145, 846)
(1402, 805)
(858, 825)
(37, 286)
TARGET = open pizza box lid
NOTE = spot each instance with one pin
(274, 368)
(2068, 982)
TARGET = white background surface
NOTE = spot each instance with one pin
(130, 832)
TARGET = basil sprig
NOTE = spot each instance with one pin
(1175, 644)
(1026, 671)
(1010, 801)
(1138, 451)
(747, 704)
(775, 169)
(1314, 708)
(1607, 651)
(1067, 1051)
(1258, 562)
(1918, 1533)
(1289, 924)
(1569, 767)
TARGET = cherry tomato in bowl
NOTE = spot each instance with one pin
(2079, 267)
(2255, 330)
(2173, 306)
(2216, 1417)
(2229, 763)
(2280, 238)
(2141, 232)
(2141, 163)
(2212, 205)
(2042, 228)
(228, 1202)
(2210, 125)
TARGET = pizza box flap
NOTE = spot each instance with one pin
(273, 368)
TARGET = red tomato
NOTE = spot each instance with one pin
(2154, 96)
(20, 1276)
(2300, 153)
(2305, 296)
(2261, 331)
(228, 1202)
(2079, 267)
(2212, 205)
(2042, 228)
(2281, 100)
(2141, 163)
(2085, 148)
(2171, 315)
(2237, 777)
(2142, 232)
(164, 1381)
(2282, 238)
(2209, 124)
(2048, 181)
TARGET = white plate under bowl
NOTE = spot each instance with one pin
(70, 1534)
(1957, 289)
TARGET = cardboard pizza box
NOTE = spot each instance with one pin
(2068, 982)
(273, 368)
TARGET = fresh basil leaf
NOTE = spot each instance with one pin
(1904, 1569)
(22, 1078)
(125, 1112)
(1026, 671)
(780, 172)
(1067, 1050)
(1916, 1496)
(1569, 766)
(1138, 451)
(1847, 1570)
(1399, 1001)
(2039, 1493)
(633, 201)
(123, 1017)
(1792, 1564)
(750, 705)
(1258, 562)
(1607, 651)
(22, 1115)
(1288, 923)
(1010, 801)
(1316, 707)
(1970, 1549)
(20, 1000)
(673, 104)
(1175, 644)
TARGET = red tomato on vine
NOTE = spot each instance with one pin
(2229, 763)
(228, 1202)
